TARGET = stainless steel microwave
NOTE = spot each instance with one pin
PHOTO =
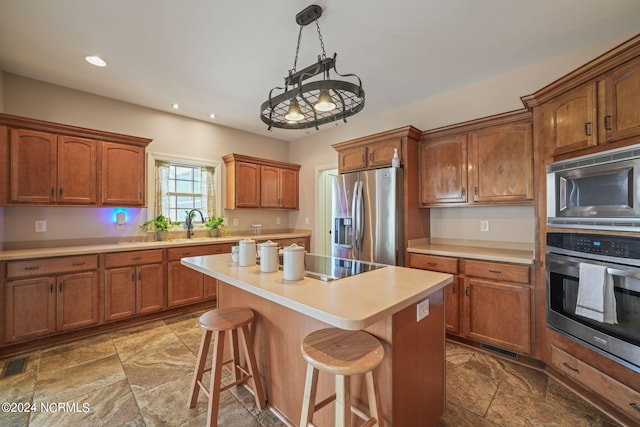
(599, 191)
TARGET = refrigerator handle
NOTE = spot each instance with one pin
(354, 207)
(360, 215)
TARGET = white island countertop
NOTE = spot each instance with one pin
(351, 303)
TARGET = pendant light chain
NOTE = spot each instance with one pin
(324, 54)
(295, 61)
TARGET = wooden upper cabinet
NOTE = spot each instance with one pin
(487, 161)
(279, 188)
(622, 92)
(592, 109)
(246, 185)
(443, 170)
(352, 159)
(260, 183)
(501, 163)
(573, 120)
(77, 170)
(123, 174)
(368, 153)
(33, 166)
(45, 163)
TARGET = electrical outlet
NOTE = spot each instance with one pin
(484, 225)
(422, 310)
(306, 220)
(41, 226)
(278, 220)
(235, 222)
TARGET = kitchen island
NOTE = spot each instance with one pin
(383, 302)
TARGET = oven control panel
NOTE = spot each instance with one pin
(599, 244)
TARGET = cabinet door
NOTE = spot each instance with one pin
(78, 301)
(352, 159)
(573, 121)
(30, 308)
(33, 166)
(122, 175)
(247, 185)
(443, 170)
(77, 165)
(498, 314)
(622, 115)
(381, 153)
(185, 285)
(150, 289)
(270, 187)
(452, 306)
(210, 287)
(120, 293)
(289, 189)
(501, 163)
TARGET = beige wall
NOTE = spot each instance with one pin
(171, 134)
(492, 96)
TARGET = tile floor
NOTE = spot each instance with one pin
(139, 376)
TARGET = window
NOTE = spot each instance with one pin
(182, 185)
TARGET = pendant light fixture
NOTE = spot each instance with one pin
(310, 97)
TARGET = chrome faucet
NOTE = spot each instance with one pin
(189, 221)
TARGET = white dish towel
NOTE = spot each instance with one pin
(596, 298)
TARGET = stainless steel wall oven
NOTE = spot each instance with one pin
(574, 261)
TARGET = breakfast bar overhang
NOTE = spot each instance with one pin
(383, 302)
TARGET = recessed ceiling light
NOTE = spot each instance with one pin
(175, 106)
(212, 115)
(96, 60)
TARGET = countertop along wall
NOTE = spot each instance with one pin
(172, 134)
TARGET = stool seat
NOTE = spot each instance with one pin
(225, 319)
(343, 354)
(216, 324)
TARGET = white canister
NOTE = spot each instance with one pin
(247, 256)
(268, 256)
(293, 262)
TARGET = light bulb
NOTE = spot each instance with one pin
(324, 103)
(294, 114)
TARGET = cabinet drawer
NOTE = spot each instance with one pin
(434, 263)
(188, 251)
(45, 266)
(625, 398)
(497, 271)
(122, 259)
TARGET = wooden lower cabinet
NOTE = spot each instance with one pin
(451, 292)
(185, 285)
(624, 398)
(498, 314)
(134, 283)
(487, 302)
(44, 305)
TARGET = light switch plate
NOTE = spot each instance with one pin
(41, 226)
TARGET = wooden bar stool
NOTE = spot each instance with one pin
(217, 322)
(342, 353)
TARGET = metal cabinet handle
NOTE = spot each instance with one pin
(475, 190)
(463, 191)
(136, 258)
(51, 288)
(32, 268)
(133, 277)
(635, 406)
(431, 263)
(453, 288)
(587, 128)
(139, 275)
(566, 365)
(495, 271)
(77, 264)
(607, 125)
(466, 291)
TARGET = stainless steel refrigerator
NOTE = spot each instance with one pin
(368, 219)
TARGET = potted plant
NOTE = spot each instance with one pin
(160, 225)
(214, 225)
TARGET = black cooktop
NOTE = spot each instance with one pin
(331, 268)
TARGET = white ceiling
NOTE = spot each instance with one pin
(224, 56)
